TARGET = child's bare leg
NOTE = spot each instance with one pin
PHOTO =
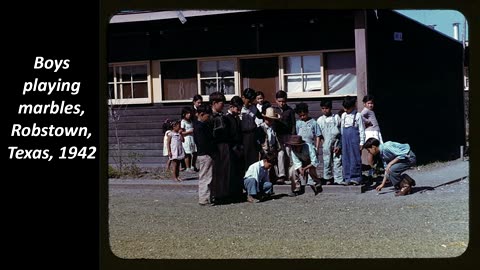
(177, 169)
(168, 165)
(187, 161)
(194, 160)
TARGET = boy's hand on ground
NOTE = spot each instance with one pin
(379, 187)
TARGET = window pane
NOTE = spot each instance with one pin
(208, 69)
(140, 90)
(126, 90)
(179, 79)
(111, 91)
(126, 73)
(110, 74)
(312, 82)
(139, 73)
(311, 63)
(292, 64)
(208, 86)
(226, 68)
(227, 86)
(293, 83)
(341, 73)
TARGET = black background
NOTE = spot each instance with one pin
(55, 213)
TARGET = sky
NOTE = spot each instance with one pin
(443, 18)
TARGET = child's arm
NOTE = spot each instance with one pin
(387, 172)
(361, 129)
(188, 132)
(169, 140)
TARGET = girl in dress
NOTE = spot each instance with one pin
(188, 144)
(175, 149)
(167, 128)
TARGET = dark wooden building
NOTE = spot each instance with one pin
(157, 63)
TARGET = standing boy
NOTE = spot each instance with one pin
(353, 138)
(307, 127)
(332, 159)
(285, 126)
(202, 135)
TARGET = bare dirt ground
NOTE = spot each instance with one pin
(159, 219)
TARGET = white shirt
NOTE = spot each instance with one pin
(258, 172)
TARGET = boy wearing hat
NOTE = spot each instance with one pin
(305, 163)
(270, 144)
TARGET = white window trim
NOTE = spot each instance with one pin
(126, 101)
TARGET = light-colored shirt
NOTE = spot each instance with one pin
(307, 155)
(354, 119)
(258, 172)
(270, 133)
(258, 121)
(309, 130)
(391, 150)
(369, 118)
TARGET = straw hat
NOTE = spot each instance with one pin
(295, 140)
(270, 113)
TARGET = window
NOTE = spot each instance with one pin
(341, 73)
(302, 73)
(179, 79)
(129, 83)
(217, 76)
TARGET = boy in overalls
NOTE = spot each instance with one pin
(330, 125)
(353, 138)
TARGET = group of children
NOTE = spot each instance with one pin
(254, 145)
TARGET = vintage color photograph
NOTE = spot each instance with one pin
(288, 134)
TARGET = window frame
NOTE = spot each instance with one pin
(236, 77)
(283, 74)
(123, 101)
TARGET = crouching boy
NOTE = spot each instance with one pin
(256, 180)
(397, 158)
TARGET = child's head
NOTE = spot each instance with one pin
(204, 111)
(167, 125)
(248, 96)
(326, 106)
(372, 146)
(260, 97)
(349, 103)
(302, 110)
(197, 101)
(236, 104)
(368, 102)
(281, 98)
(266, 104)
(217, 100)
(269, 160)
(186, 113)
(176, 125)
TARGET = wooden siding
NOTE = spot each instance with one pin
(418, 86)
(140, 133)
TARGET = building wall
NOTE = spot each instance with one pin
(418, 85)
